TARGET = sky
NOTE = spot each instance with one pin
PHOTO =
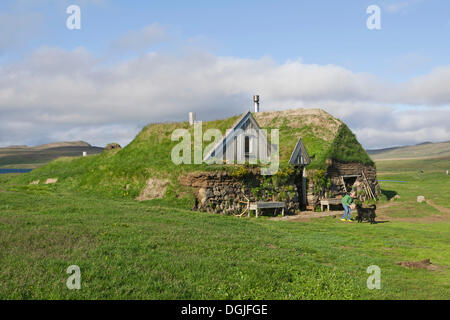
(137, 62)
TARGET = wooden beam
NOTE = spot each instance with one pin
(343, 182)
(368, 185)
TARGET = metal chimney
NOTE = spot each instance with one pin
(191, 118)
(256, 102)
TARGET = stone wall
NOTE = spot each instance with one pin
(221, 192)
(225, 193)
(337, 169)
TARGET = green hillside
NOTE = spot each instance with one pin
(426, 150)
(34, 157)
(148, 155)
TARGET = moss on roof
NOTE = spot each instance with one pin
(323, 136)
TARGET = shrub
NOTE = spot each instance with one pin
(321, 182)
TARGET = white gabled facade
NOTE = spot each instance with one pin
(243, 142)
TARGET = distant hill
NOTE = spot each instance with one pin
(32, 157)
(422, 150)
(63, 144)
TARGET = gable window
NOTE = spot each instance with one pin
(247, 145)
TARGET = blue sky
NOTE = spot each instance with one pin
(396, 77)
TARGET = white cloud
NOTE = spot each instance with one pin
(397, 128)
(431, 89)
(58, 95)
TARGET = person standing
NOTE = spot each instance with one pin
(347, 202)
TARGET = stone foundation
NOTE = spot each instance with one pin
(220, 192)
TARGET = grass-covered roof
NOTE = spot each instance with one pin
(323, 136)
(149, 154)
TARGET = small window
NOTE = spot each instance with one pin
(247, 145)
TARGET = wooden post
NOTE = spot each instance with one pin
(343, 182)
(368, 185)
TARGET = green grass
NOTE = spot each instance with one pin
(429, 150)
(148, 155)
(320, 142)
(158, 250)
(289, 134)
(423, 177)
(413, 166)
(346, 148)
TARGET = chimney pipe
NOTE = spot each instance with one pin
(191, 118)
(256, 103)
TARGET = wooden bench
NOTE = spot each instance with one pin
(328, 202)
(266, 205)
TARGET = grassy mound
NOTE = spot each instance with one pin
(109, 173)
(323, 136)
(346, 148)
(124, 173)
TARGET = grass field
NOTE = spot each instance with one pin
(157, 250)
(423, 177)
(35, 157)
(427, 151)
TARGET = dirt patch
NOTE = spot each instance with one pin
(155, 189)
(424, 264)
(438, 208)
(306, 216)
